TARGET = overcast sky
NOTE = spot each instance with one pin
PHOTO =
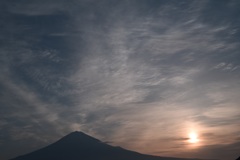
(141, 74)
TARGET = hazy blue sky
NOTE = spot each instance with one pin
(142, 74)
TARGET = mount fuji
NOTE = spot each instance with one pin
(80, 146)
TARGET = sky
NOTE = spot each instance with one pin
(159, 77)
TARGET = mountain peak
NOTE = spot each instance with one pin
(77, 133)
(78, 137)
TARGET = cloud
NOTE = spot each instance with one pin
(132, 73)
(228, 151)
(226, 67)
(34, 8)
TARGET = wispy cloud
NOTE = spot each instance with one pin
(132, 73)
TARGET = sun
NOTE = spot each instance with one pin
(193, 137)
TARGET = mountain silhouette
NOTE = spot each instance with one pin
(80, 146)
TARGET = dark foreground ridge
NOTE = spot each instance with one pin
(78, 145)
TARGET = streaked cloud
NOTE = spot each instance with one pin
(132, 73)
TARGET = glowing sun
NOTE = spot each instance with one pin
(193, 138)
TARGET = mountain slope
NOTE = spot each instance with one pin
(77, 146)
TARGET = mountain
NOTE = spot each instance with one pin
(79, 146)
